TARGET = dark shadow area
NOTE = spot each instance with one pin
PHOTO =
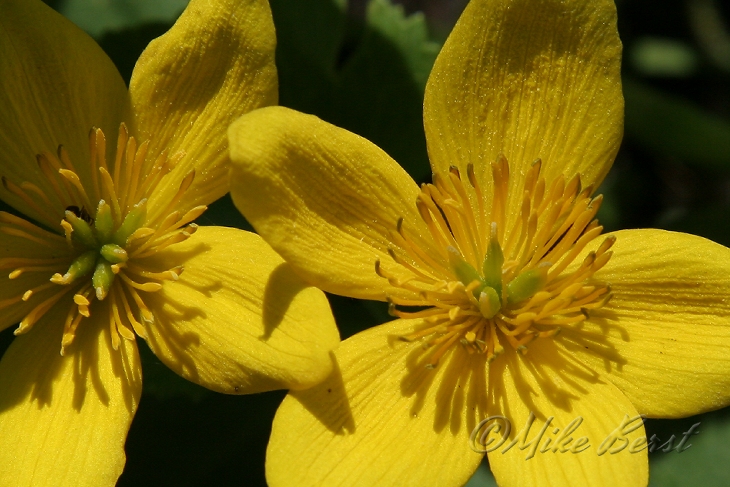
(125, 46)
(461, 382)
(329, 400)
(281, 289)
(353, 315)
(223, 213)
(168, 336)
(37, 354)
(591, 338)
(216, 440)
(44, 368)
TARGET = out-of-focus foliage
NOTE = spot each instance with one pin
(676, 128)
(100, 16)
(364, 67)
(703, 463)
(366, 78)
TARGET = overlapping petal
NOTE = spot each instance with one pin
(324, 198)
(381, 417)
(569, 402)
(664, 337)
(55, 85)
(215, 64)
(64, 420)
(239, 320)
(529, 79)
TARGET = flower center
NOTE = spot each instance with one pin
(485, 285)
(105, 239)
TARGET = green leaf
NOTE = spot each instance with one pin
(366, 78)
(676, 128)
(383, 84)
(408, 34)
(482, 477)
(309, 40)
(97, 17)
(704, 463)
(656, 56)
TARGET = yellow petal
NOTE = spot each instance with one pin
(529, 79)
(381, 418)
(56, 85)
(239, 320)
(664, 337)
(215, 64)
(326, 199)
(561, 393)
(18, 253)
(65, 419)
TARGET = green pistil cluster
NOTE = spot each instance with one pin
(103, 246)
(490, 292)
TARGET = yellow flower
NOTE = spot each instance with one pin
(107, 182)
(523, 311)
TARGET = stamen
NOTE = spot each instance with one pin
(108, 185)
(184, 185)
(37, 313)
(148, 287)
(488, 284)
(73, 178)
(104, 225)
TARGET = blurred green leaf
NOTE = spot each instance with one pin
(368, 79)
(99, 16)
(382, 85)
(654, 56)
(675, 127)
(309, 40)
(482, 477)
(409, 34)
(704, 463)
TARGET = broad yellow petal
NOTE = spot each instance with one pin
(528, 79)
(239, 320)
(664, 337)
(55, 85)
(568, 425)
(381, 418)
(215, 64)
(326, 199)
(64, 420)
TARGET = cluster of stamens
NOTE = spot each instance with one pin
(106, 237)
(485, 285)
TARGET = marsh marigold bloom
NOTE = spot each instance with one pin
(510, 301)
(101, 249)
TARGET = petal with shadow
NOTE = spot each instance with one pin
(239, 320)
(64, 419)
